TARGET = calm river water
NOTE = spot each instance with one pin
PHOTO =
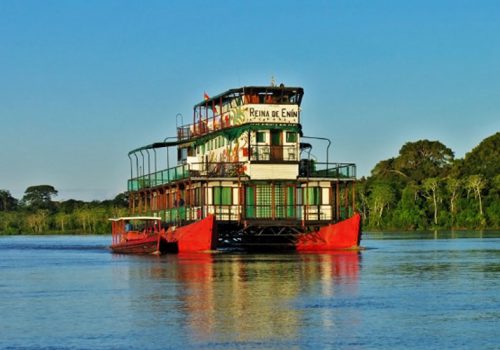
(407, 291)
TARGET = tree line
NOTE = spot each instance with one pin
(37, 213)
(425, 187)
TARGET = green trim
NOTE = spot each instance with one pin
(235, 132)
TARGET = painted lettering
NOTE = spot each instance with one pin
(288, 114)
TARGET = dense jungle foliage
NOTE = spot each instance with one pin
(37, 213)
(424, 187)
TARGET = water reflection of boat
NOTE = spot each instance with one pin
(245, 162)
(245, 297)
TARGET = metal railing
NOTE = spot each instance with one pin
(185, 171)
(310, 168)
(203, 127)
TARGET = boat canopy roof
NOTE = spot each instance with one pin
(155, 146)
(144, 218)
(268, 90)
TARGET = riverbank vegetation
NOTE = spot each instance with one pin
(38, 213)
(424, 187)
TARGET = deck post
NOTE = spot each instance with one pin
(337, 200)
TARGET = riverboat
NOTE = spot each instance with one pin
(244, 178)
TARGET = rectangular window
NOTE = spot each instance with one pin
(197, 196)
(250, 202)
(264, 198)
(312, 196)
(291, 136)
(279, 201)
(261, 136)
(222, 195)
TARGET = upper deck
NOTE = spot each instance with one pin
(250, 132)
(245, 105)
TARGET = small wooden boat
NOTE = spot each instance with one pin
(137, 235)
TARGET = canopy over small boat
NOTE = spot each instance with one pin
(125, 218)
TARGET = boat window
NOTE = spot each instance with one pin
(291, 136)
(261, 136)
(312, 196)
(182, 154)
(222, 195)
(197, 196)
(264, 201)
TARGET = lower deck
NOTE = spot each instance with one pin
(280, 203)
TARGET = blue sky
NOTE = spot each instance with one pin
(84, 82)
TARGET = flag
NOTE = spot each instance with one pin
(205, 96)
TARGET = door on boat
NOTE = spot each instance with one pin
(276, 145)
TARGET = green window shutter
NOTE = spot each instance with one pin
(290, 201)
(250, 202)
(291, 136)
(261, 136)
(222, 195)
(226, 196)
(217, 196)
(313, 196)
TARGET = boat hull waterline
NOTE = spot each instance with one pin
(201, 236)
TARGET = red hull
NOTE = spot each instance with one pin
(345, 234)
(196, 237)
(147, 245)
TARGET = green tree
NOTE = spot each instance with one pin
(493, 209)
(453, 186)
(362, 199)
(423, 159)
(40, 197)
(10, 222)
(382, 197)
(476, 184)
(431, 191)
(408, 213)
(37, 222)
(483, 160)
(7, 202)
